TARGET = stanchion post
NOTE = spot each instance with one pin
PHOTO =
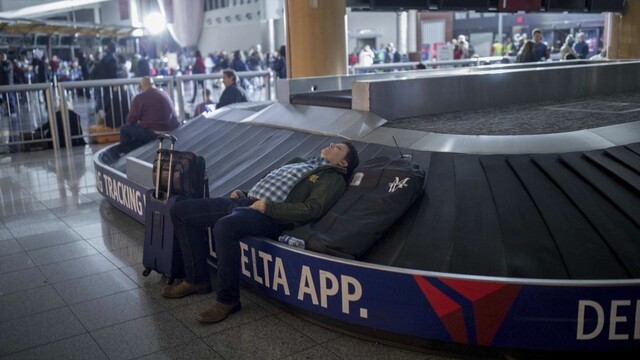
(64, 113)
(180, 88)
(53, 124)
(170, 87)
(268, 87)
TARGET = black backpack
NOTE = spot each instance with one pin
(74, 126)
(380, 192)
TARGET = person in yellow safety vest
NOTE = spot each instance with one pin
(496, 48)
(508, 49)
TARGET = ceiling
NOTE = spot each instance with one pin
(13, 9)
(27, 16)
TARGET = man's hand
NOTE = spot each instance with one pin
(259, 205)
(236, 194)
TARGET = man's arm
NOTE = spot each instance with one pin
(326, 192)
(135, 112)
(225, 99)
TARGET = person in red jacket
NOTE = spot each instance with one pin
(198, 68)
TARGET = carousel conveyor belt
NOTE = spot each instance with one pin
(340, 99)
(551, 216)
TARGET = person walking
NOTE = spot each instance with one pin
(198, 68)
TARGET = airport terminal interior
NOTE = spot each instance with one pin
(72, 284)
(523, 115)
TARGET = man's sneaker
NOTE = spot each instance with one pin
(218, 312)
(184, 288)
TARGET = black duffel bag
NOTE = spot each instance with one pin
(380, 192)
(188, 171)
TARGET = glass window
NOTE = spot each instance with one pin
(460, 15)
(474, 15)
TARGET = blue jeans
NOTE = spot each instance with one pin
(231, 220)
(133, 136)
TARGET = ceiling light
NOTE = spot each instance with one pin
(155, 23)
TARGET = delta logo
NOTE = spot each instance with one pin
(490, 303)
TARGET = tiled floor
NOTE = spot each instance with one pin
(71, 285)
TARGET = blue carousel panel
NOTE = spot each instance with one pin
(536, 252)
(505, 313)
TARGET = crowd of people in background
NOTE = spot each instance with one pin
(118, 106)
(38, 67)
(113, 63)
(384, 55)
(574, 47)
(516, 48)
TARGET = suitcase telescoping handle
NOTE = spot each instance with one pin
(161, 139)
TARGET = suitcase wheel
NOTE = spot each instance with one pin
(146, 272)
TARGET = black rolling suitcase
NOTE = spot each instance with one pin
(161, 252)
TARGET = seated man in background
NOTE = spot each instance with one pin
(298, 192)
(202, 107)
(151, 112)
(233, 93)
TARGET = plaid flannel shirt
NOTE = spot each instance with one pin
(279, 182)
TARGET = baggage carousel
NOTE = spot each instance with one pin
(505, 251)
(526, 243)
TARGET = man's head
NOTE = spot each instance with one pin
(343, 155)
(146, 83)
(229, 77)
(537, 35)
(3, 56)
(111, 47)
(582, 36)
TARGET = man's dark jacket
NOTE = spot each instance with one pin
(231, 95)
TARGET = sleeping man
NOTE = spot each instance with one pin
(298, 192)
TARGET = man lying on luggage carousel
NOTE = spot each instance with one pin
(300, 191)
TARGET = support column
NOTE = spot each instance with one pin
(621, 33)
(402, 33)
(412, 31)
(96, 15)
(316, 40)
